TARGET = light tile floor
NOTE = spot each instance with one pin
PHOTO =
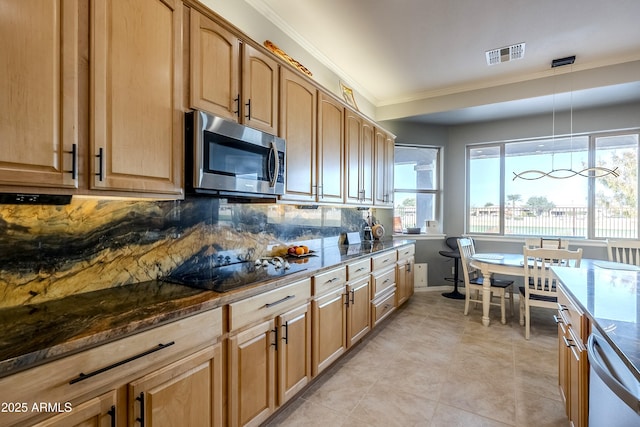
(429, 365)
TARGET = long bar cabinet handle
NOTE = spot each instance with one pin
(280, 301)
(83, 376)
(112, 414)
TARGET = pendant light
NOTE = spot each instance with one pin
(595, 172)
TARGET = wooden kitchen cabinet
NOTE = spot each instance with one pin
(383, 277)
(136, 82)
(358, 312)
(186, 392)
(573, 363)
(298, 122)
(97, 412)
(269, 352)
(404, 274)
(230, 78)
(330, 151)
(176, 364)
(384, 161)
(40, 85)
(359, 148)
(329, 328)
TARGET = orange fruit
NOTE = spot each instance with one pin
(305, 249)
(299, 250)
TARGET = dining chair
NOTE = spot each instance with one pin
(542, 288)
(546, 242)
(624, 251)
(473, 281)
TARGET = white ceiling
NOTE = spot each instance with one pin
(401, 51)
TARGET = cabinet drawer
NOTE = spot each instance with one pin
(384, 260)
(358, 269)
(329, 280)
(98, 369)
(406, 252)
(383, 281)
(268, 304)
(572, 315)
(382, 307)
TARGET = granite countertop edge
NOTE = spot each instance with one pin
(112, 327)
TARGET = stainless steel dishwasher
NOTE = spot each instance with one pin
(614, 392)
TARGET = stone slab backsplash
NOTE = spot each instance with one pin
(48, 252)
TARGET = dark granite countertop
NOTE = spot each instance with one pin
(38, 333)
(611, 300)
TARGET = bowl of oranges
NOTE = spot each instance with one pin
(299, 251)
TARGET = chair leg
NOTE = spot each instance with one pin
(503, 308)
(528, 322)
(522, 304)
(466, 302)
(511, 299)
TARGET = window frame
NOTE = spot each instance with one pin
(436, 191)
(591, 187)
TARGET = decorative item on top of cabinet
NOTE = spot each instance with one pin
(359, 144)
(231, 78)
(137, 133)
(298, 121)
(384, 159)
(39, 102)
(269, 351)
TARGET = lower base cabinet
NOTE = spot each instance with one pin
(99, 412)
(187, 392)
(269, 361)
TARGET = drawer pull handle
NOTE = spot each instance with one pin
(353, 296)
(100, 157)
(287, 298)
(562, 307)
(83, 376)
(140, 399)
(285, 337)
(385, 281)
(360, 269)
(332, 280)
(557, 319)
(275, 341)
(566, 342)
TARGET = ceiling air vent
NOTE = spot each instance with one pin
(505, 54)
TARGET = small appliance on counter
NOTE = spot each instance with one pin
(372, 230)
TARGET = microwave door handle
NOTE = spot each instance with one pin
(273, 172)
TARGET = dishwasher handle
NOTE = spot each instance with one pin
(597, 347)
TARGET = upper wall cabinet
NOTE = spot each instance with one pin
(384, 160)
(330, 174)
(231, 79)
(137, 133)
(39, 87)
(359, 143)
(298, 127)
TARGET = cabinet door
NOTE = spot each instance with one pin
(298, 128)
(137, 132)
(39, 87)
(186, 392)
(215, 62)
(294, 352)
(404, 280)
(329, 329)
(251, 365)
(384, 157)
(367, 162)
(97, 412)
(578, 382)
(359, 311)
(330, 149)
(353, 141)
(259, 90)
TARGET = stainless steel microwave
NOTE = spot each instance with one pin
(227, 159)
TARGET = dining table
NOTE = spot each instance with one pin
(512, 264)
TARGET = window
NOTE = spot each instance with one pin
(416, 181)
(511, 188)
